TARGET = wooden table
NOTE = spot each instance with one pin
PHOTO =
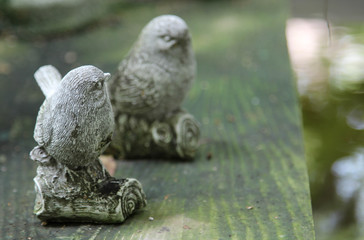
(249, 180)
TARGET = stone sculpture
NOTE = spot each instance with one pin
(147, 92)
(74, 126)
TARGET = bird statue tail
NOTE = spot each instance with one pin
(48, 79)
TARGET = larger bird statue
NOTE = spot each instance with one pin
(147, 92)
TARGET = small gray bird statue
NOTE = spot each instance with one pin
(74, 126)
(75, 122)
(147, 92)
(154, 78)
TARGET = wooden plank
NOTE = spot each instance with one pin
(255, 185)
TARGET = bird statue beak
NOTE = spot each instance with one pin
(171, 43)
(107, 76)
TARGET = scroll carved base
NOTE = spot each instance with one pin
(137, 137)
(85, 194)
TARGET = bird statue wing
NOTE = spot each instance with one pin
(42, 132)
(54, 122)
(48, 79)
(137, 87)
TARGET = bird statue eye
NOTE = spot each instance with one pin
(99, 85)
(167, 38)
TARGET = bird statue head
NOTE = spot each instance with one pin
(87, 82)
(167, 35)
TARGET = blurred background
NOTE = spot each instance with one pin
(326, 45)
(325, 40)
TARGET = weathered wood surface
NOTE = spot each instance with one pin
(249, 180)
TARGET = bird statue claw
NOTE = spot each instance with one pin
(175, 137)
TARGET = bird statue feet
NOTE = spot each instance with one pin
(83, 194)
(175, 137)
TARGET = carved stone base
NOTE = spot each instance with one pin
(136, 137)
(86, 194)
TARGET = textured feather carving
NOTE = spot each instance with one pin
(75, 121)
(48, 79)
(154, 78)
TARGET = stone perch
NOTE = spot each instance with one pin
(74, 126)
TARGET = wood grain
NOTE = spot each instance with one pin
(249, 180)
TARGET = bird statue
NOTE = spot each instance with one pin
(74, 126)
(154, 78)
(148, 89)
(76, 121)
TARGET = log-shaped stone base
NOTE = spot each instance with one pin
(137, 137)
(86, 194)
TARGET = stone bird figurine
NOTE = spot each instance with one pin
(74, 126)
(147, 92)
(153, 79)
(76, 121)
